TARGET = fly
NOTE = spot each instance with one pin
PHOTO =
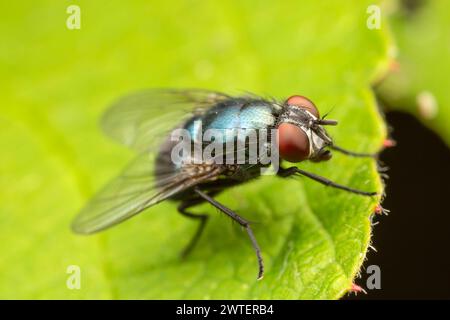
(145, 122)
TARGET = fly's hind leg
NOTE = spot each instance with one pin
(213, 187)
(243, 222)
(182, 208)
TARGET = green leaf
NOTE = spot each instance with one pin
(419, 83)
(57, 83)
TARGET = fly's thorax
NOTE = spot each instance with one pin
(234, 131)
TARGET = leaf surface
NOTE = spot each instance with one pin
(56, 83)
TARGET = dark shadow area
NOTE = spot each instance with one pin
(413, 241)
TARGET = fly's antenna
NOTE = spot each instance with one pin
(324, 122)
(351, 153)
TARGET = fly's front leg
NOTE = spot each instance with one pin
(292, 171)
(244, 223)
(352, 153)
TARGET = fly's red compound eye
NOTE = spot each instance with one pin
(303, 102)
(293, 143)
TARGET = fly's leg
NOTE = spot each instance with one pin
(244, 223)
(352, 153)
(292, 171)
(213, 188)
(182, 208)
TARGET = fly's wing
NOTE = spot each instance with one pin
(137, 188)
(142, 120)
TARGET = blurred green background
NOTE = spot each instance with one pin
(56, 83)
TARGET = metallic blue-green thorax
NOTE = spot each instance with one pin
(234, 114)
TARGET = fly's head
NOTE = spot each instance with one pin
(301, 135)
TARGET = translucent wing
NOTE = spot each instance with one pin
(142, 120)
(137, 188)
